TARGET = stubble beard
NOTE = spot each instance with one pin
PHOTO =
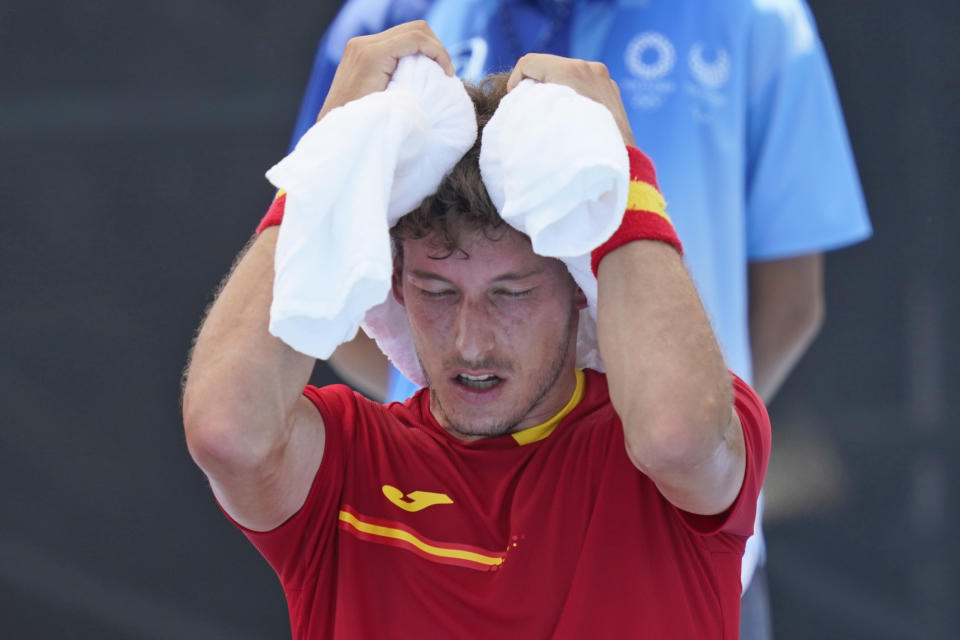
(507, 424)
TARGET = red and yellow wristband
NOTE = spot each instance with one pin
(646, 215)
(274, 215)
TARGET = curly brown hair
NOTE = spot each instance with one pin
(461, 202)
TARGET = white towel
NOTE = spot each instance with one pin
(351, 176)
(553, 162)
(556, 167)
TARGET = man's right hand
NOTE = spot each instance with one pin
(369, 61)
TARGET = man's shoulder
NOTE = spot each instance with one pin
(331, 393)
(339, 404)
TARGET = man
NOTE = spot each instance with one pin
(516, 496)
(735, 103)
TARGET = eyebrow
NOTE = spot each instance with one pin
(510, 276)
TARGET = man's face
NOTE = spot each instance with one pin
(495, 331)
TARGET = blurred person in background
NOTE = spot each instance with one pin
(735, 103)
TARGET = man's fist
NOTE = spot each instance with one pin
(589, 79)
(369, 61)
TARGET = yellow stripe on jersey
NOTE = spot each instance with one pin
(541, 431)
(392, 533)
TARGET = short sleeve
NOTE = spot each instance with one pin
(755, 423)
(738, 519)
(803, 192)
(297, 548)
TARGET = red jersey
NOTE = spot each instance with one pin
(408, 532)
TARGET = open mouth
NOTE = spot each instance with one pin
(478, 383)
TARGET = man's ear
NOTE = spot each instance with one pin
(396, 282)
(579, 299)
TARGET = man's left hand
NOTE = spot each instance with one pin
(589, 79)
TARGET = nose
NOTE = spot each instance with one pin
(475, 335)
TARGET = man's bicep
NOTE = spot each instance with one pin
(263, 498)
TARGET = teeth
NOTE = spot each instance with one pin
(487, 381)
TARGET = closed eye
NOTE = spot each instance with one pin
(514, 294)
(435, 294)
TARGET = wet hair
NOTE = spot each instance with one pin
(461, 202)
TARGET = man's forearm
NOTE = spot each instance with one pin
(667, 378)
(242, 382)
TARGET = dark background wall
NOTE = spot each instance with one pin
(133, 140)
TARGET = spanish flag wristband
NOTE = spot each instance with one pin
(646, 215)
(274, 214)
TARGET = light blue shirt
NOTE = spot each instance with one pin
(733, 101)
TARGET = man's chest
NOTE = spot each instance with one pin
(483, 510)
(517, 542)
